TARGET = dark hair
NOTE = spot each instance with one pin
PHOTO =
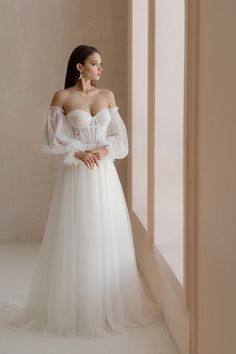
(79, 55)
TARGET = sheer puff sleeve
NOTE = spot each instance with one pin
(57, 137)
(117, 136)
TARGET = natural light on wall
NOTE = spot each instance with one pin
(169, 132)
(139, 109)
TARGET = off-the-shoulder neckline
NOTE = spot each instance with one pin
(61, 109)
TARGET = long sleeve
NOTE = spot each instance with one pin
(58, 139)
(117, 136)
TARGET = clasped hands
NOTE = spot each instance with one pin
(91, 157)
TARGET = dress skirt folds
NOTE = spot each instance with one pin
(85, 281)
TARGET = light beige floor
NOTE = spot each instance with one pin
(16, 262)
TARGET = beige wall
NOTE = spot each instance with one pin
(217, 178)
(37, 38)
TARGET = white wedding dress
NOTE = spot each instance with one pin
(86, 281)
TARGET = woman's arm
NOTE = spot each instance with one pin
(58, 138)
(116, 132)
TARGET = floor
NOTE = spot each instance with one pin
(16, 262)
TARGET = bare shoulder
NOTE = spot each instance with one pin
(59, 98)
(110, 97)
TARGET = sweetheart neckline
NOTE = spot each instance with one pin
(88, 113)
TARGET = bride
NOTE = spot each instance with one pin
(86, 281)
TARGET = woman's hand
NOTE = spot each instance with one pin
(87, 157)
(99, 153)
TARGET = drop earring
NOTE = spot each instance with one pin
(80, 75)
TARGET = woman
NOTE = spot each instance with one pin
(86, 280)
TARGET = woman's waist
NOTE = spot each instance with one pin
(89, 145)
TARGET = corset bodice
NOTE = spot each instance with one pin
(91, 130)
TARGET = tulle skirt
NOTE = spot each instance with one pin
(85, 281)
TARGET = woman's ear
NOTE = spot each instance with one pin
(79, 67)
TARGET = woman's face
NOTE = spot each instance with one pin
(92, 67)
